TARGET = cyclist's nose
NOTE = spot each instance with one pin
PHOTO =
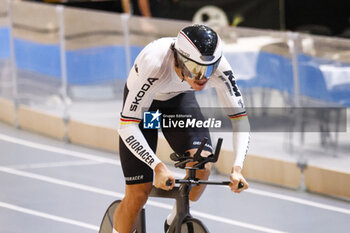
(200, 76)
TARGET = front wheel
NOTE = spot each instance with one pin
(192, 225)
(107, 221)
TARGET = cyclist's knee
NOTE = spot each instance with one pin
(137, 194)
(207, 168)
(204, 174)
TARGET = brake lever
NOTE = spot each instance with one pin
(175, 157)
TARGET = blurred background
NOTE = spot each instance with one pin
(312, 16)
(69, 60)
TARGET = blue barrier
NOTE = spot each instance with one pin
(312, 83)
(41, 58)
(108, 63)
(272, 71)
(96, 65)
(5, 51)
(276, 72)
(84, 66)
(93, 65)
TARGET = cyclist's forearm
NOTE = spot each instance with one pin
(241, 137)
(236, 169)
(137, 144)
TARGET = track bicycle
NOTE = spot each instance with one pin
(183, 221)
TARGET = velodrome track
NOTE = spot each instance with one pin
(50, 186)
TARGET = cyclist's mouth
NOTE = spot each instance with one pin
(201, 82)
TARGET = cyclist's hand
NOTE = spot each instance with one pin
(236, 177)
(162, 175)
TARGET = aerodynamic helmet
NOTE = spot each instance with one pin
(198, 50)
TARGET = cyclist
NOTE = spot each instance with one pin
(166, 73)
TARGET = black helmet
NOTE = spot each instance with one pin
(198, 51)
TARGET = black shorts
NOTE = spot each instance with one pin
(135, 171)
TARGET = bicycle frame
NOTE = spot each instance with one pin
(181, 193)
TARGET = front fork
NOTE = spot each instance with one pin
(182, 209)
(183, 204)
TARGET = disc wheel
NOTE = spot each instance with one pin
(107, 221)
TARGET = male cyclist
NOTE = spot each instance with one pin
(166, 73)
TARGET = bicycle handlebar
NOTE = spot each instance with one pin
(183, 160)
(197, 155)
(198, 182)
(169, 183)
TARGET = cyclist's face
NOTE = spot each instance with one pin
(195, 70)
(196, 84)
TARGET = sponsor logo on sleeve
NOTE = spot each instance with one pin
(232, 80)
(145, 87)
(139, 149)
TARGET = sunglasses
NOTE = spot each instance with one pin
(196, 71)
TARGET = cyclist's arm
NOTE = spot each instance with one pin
(142, 86)
(231, 99)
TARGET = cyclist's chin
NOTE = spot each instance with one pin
(198, 85)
